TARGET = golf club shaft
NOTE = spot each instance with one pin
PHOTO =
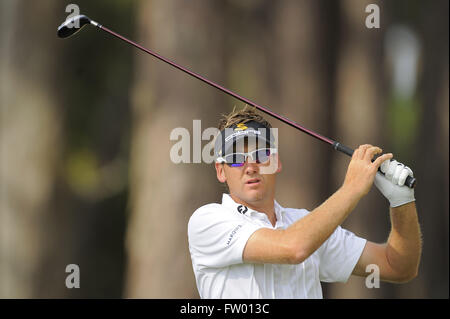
(221, 88)
(410, 181)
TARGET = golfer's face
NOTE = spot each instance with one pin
(252, 181)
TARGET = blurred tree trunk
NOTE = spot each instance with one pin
(163, 194)
(302, 96)
(431, 168)
(29, 141)
(359, 120)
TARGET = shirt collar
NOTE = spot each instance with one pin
(227, 201)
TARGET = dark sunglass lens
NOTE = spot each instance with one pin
(262, 156)
(235, 160)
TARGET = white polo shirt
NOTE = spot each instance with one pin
(217, 236)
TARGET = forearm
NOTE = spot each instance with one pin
(310, 232)
(404, 244)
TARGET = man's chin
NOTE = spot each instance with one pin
(253, 195)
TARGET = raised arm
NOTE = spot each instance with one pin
(398, 259)
(301, 239)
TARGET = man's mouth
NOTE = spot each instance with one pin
(253, 181)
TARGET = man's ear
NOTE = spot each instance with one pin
(220, 171)
(279, 164)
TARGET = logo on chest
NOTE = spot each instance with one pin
(242, 209)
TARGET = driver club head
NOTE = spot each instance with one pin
(73, 25)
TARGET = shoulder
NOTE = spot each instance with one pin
(208, 215)
(294, 214)
(205, 211)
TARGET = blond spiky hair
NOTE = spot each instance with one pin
(248, 113)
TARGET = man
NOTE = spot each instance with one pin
(251, 247)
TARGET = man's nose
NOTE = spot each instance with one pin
(251, 166)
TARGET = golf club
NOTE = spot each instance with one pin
(76, 23)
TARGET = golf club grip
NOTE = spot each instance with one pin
(410, 181)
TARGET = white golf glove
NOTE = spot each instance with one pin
(391, 185)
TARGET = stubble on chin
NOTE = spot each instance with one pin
(253, 197)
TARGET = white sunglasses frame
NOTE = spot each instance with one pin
(273, 151)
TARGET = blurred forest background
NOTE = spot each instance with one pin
(85, 173)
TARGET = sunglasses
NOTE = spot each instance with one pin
(260, 156)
